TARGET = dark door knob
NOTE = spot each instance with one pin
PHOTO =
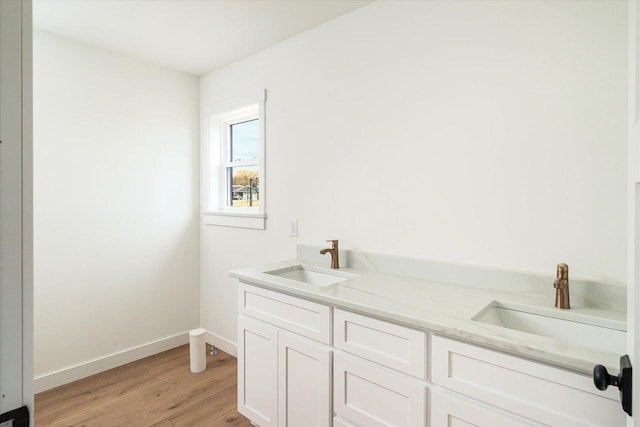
(602, 379)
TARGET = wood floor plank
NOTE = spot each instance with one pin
(207, 410)
(155, 391)
(230, 419)
(183, 397)
(116, 387)
(89, 384)
(142, 407)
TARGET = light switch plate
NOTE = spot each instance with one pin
(293, 227)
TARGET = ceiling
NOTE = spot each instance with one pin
(194, 37)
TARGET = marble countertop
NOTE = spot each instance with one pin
(447, 308)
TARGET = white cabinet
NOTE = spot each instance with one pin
(376, 375)
(372, 396)
(549, 395)
(283, 379)
(257, 371)
(452, 411)
(304, 382)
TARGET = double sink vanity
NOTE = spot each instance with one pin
(393, 341)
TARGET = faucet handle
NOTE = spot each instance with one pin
(562, 271)
(334, 243)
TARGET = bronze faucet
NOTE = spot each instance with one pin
(562, 286)
(334, 253)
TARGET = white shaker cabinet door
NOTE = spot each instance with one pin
(304, 382)
(373, 396)
(450, 411)
(257, 371)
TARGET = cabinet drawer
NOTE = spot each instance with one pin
(341, 422)
(453, 411)
(372, 396)
(297, 315)
(549, 395)
(388, 344)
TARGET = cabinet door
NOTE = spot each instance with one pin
(450, 411)
(373, 396)
(257, 371)
(304, 382)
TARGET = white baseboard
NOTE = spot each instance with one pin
(222, 343)
(67, 375)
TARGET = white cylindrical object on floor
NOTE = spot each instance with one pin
(197, 351)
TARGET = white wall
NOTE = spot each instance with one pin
(487, 133)
(116, 200)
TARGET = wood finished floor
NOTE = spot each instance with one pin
(156, 391)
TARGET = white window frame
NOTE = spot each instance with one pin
(217, 210)
(245, 115)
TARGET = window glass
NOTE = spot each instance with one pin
(244, 186)
(245, 141)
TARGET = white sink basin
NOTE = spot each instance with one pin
(312, 275)
(564, 326)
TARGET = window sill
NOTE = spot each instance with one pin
(235, 219)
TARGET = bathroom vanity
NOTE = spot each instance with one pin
(367, 346)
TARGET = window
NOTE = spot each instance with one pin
(242, 165)
(234, 162)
